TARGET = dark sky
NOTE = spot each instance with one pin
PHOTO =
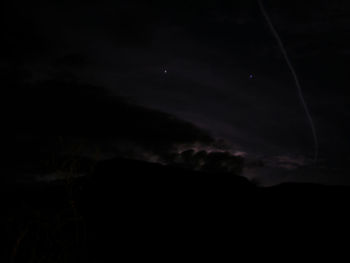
(213, 64)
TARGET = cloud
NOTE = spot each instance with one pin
(215, 161)
(89, 116)
(71, 108)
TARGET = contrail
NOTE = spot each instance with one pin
(295, 76)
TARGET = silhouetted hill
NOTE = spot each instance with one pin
(147, 177)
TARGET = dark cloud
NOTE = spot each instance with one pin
(54, 115)
(61, 107)
(73, 60)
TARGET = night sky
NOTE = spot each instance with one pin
(145, 78)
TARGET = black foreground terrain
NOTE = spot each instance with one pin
(139, 210)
